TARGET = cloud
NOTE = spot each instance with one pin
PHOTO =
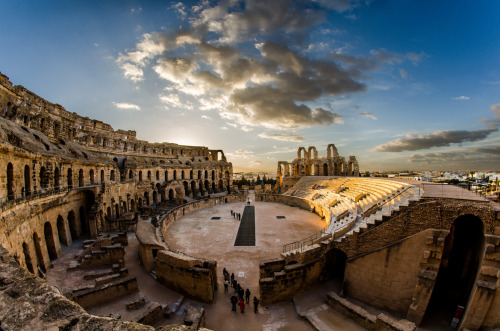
(403, 73)
(172, 99)
(206, 117)
(369, 115)
(259, 17)
(496, 110)
(241, 154)
(436, 139)
(462, 97)
(338, 5)
(282, 137)
(478, 156)
(416, 58)
(125, 105)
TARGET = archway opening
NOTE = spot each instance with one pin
(61, 229)
(461, 258)
(27, 258)
(334, 267)
(10, 181)
(49, 240)
(27, 181)
(74, 229)
(70, 178)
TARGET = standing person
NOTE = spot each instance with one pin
(232, 279)
(226, 285)
(255, 304)
(241, 293)
(232, 212)
(234, 301)
(242, 305)
(235, 285)
(247, 295)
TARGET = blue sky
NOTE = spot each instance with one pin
(399, 84)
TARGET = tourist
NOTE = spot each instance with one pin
(232, 279)
(234, 301)
(226, 286)
(247, 295)
(241, 293)
(242, 305)
(255, 304)
(235, 285)
(232, 212)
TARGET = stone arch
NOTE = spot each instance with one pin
(200, 188)
(108, 213)
(91, 177)
(102, 176)
(213, 174)
(171, 195)
(182, 174)
(61, 230)
(155, 197)
(334, 266)
(459, 268)
(175, 174)
(117, 210)
(140, 175)
(74, 227)
(57, 178)
(112, 175)
(70, 178)
(10, 181)
(146, 198)
(166, 175)
(139, 203)
(81, 182)
(149, 175)
(331, 151)
(206, 174)
(315, 154)
(27, 181)
(207, 185)
(132, 205)
(157, 175)
(50, 241)
(299, 155)
(130, 174)
(43, 177)
(199, 174)
(84, 221)
(186, 188)
(193, 188)
(27, 258)
(124, 206)
(38, 252)
(213, 187)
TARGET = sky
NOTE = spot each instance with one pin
(402, 85)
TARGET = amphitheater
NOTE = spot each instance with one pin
(102, 231)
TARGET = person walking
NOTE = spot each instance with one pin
(242, 305)
(232, 279)
(235, 285)
(241, 293)
(234, 301)
(247, 295)
(255, 304)
(226, 286)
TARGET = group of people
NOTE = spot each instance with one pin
(236, 215)
(241, 295)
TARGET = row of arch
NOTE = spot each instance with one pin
(63, 233)
(175, 175)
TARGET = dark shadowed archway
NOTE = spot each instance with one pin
(458, 270)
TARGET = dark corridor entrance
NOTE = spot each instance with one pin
(462, 253)
(334, 268)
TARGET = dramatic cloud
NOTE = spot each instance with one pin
(369, 115)
(273, 84)
(462, 97)
(125, 105)
(282, 136)
(468, 156)
(436, 139)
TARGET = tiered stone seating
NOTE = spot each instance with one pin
(354, 203)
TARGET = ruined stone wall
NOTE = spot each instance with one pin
(192, 276)
(29, 303)
(393, 272)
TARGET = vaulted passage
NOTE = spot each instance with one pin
(246, 231)
(462, 255)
